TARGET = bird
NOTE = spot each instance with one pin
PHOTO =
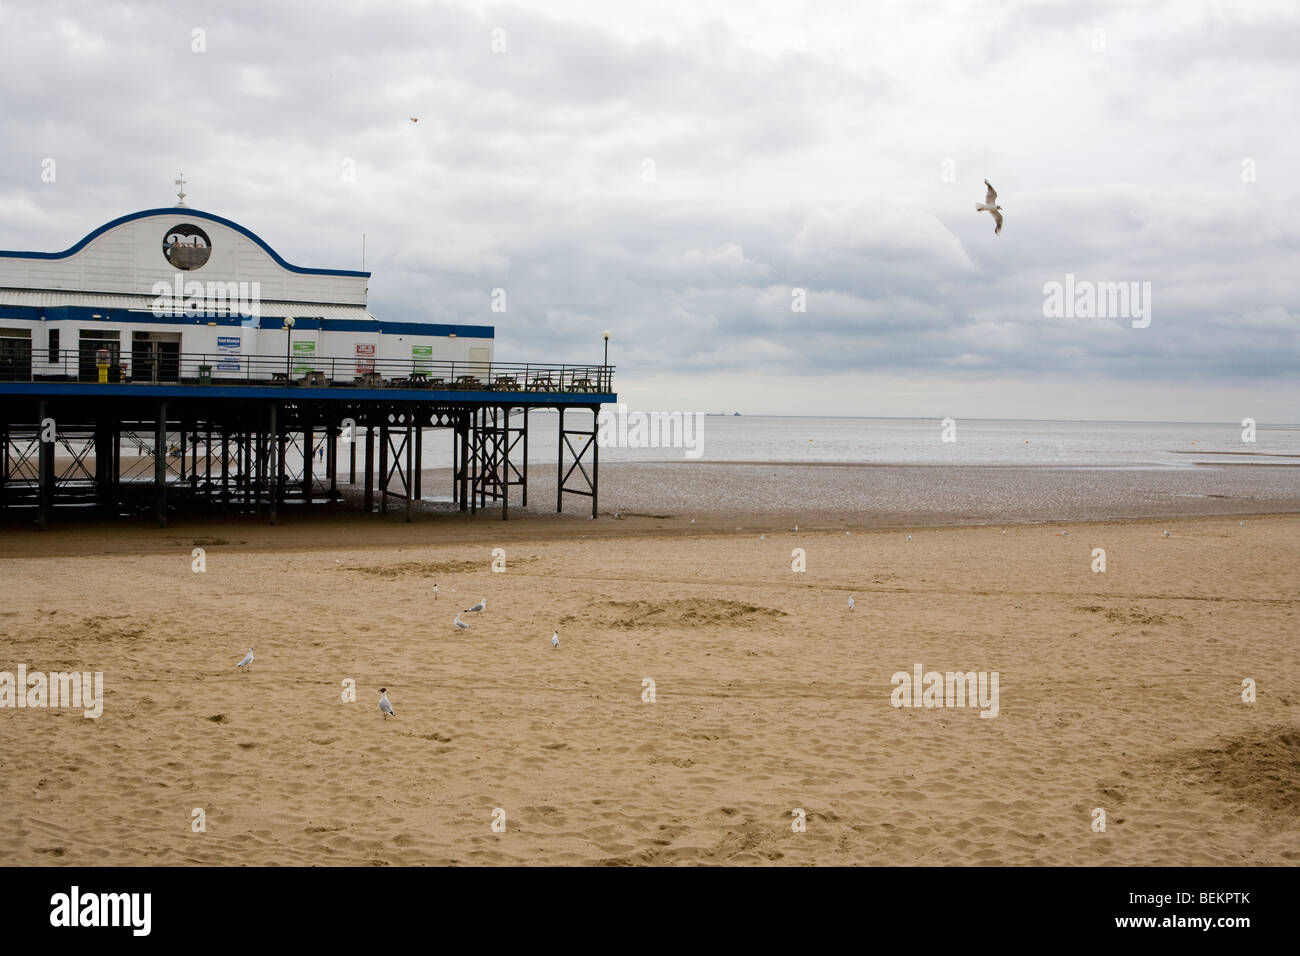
(850, 602)
(909, 537)
(385, 705)
(248, 659)
(990, 205)
(435, 592)
(477, 607)
(415, 119)
(1166, 534)
(555, 639)
(692, 521)
(461, 624)
(796, 527)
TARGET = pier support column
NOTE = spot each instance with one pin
(559, 466)
(419, 457)
(332, 459)
(44, 468)
(308, 459)
(383, 464)
(276, 452)
(160, 465)
(370, 469)
(410, 461)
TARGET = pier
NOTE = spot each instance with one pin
(244, 446)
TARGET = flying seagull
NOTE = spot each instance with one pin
(248, 659)
(477, 607)
(555, 639)
(990, 204)
(385, 705)
(461, 624)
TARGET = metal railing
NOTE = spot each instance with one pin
(224, 368)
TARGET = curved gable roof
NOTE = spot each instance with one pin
(183, 211)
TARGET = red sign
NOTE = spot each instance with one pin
(365, 358)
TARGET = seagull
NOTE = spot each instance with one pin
(850, 602)
(555, 639)
(248, 659)
(435, 592)
(461, 624)
(990, 205)
(477, 607)
(909, 537)
(692, 521)
(385, 705)
(1166, 534)
(796, 527)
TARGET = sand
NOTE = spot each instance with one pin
(1119, 690)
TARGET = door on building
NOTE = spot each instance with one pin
(480, 358)
(155, 356)
(15, 355)
(91, 342)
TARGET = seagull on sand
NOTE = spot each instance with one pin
(385, 705)
(435, 592)
(477, 607)
(555, 639)
(461, 624)
(248, 659)
(850, 602)
(990, 204)
(909, 537)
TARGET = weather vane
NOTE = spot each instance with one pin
(181, 195)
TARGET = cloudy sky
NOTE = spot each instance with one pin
(676, 172)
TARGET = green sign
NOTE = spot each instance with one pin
(422, 357)
(303, 352)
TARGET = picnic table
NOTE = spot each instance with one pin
(582, 385)
(369, 380)
(544, 383)
(418, 378)
(505, 382)
(279, 378)
(467, 381)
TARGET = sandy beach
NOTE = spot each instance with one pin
(1119, 691)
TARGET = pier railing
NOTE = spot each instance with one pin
(301, 368)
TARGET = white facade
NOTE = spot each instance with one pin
(193, 284)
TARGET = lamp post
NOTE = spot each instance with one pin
(605, 369)
(288, 347)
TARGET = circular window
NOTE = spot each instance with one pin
(186, 246)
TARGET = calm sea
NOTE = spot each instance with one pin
(911, 441)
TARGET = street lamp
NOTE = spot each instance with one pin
(605, 370)
(288, 346)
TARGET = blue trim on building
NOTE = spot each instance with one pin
(300, 393)
(82, 313)
(180, 213)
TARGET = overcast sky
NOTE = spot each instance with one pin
(673, 171)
